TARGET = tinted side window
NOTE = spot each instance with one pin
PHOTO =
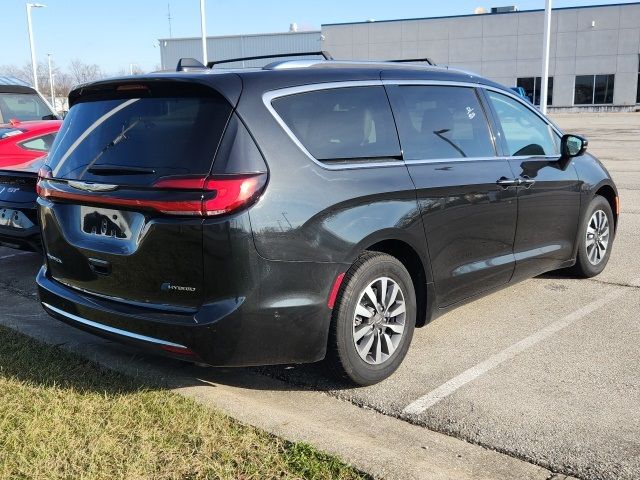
(525, 132)
(441, 122)
(341, 123)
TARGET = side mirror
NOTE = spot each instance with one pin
(573, 145)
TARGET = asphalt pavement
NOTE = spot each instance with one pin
(546, 372)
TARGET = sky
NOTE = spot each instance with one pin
(117, 33)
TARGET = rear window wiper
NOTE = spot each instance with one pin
(119, 170)
(121, 137)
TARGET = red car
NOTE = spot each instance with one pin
(22, 142)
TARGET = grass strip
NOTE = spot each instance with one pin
(62, 416)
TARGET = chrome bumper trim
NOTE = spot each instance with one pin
(106, 328)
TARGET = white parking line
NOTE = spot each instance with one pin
(447, 388)
(14, 255)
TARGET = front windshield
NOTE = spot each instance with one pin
(23, 106)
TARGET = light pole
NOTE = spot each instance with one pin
(33, 50)
(203, 29)
(53, 95)
(546, 40)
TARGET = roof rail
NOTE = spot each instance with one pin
(324, 54)
(414, 60)
(404, 64)
(189, 65)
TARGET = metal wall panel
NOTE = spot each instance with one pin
(505, 46)
(219, 48)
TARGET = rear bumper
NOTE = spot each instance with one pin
(17, 237)
(283, 323)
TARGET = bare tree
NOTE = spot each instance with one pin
(63, 84)
(83, 72)
(21, 73)
(134, 69)
(25, 74)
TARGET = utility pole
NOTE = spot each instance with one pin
(169, 17)
(546, 40)
(53, 96)
(203, 29)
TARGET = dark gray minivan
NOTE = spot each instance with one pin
(306, 210)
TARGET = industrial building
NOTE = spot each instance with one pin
(238, 46)
(594, 50)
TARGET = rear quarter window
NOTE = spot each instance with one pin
(337, 124)
(39, 144)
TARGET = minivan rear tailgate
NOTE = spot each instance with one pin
(121, 195)
(124, 254)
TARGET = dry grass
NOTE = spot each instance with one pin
(64, 417)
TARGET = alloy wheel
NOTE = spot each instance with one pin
(379, 320)
(597, 237)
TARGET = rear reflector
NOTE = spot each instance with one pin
(212, 196)
(178, 350)
(334, 290)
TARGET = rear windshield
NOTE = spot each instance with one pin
(135, 141)
(6, 132)
(23, 106)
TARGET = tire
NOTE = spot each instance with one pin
(596, 230)
(387, 326)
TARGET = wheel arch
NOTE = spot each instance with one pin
(611, 195)
(418, 267)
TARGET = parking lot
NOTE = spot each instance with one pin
(546, 371)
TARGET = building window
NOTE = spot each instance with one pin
(593, 89)
(531, 87)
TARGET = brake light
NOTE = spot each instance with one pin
(132, 88)
(43, 173)
(211, 196)
(231, 192)
(221, 194)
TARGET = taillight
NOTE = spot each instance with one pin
(211, 196)
(43, 173)
(231, 192)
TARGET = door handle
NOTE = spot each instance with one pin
(505, 182)
(527, 182)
